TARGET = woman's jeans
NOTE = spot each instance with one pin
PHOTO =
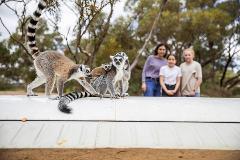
(153, 87)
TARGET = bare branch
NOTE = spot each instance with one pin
(88, 13)
(69, 48)
(84, 51)
(93, 17)
(6, 1)
(66, 4)
(11, 36)
(14, 10)
(234, 84)
(139, 53)
(99, 38)
(218, 55)
(231, 79)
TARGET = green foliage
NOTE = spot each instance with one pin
(200, 4)
(201, 24)
(119, 39)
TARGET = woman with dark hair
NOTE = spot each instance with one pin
(150, 75)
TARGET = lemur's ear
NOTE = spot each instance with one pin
(80, 68)
(111, 57)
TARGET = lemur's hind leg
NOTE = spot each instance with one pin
(49, 84)
(60, 86)
(102, 89)
(37, 82)
(111, 88)
(121, 88)
(125, 88)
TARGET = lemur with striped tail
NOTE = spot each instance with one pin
(112, 74)
(126, 76)
(53, 66)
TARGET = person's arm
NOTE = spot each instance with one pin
(178, 80)
(144, 86)
(163, 84)
(199, 77)
(180, 86)
(198, 83)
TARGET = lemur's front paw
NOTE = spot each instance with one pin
(124, 95)
(31, 94)
(100, 96)
(55, 98)
(115, 97)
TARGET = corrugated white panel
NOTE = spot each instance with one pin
(126, 109)
(174, 135)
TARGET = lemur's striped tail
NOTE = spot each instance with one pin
(31, 29)
(62, 105)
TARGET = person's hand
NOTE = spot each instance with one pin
(169, 92)
(144, 87)
(173, 92)
(192, 93)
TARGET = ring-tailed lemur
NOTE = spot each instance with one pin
(52, 66)
(98, 71)
(105, 82)
(126, 76)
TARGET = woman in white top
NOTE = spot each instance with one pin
(170, 76)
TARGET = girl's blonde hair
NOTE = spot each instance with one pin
(190, 50)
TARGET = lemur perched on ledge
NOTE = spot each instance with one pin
(126, 76)
(52, 66)
(110, 76)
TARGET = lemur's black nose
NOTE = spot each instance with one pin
(89, 76)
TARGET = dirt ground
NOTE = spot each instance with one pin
(117, 154)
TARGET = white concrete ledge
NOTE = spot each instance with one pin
(126, 109)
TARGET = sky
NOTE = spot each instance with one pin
(68, 18)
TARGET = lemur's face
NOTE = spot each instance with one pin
(107, 67)
(125, 57)
(83, 70)
(118, 60)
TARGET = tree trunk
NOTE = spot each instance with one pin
(101, 37)
(139, 53)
